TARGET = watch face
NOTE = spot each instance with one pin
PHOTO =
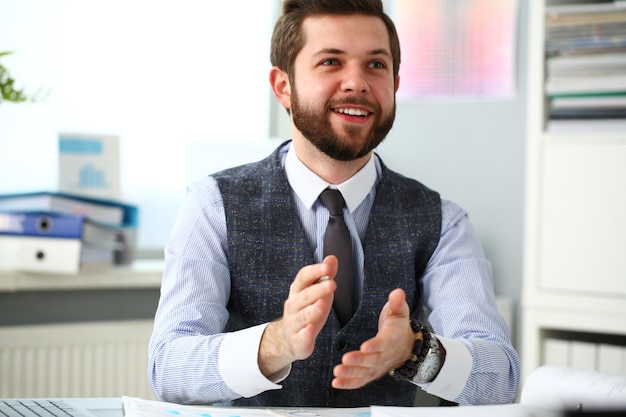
(429, 368)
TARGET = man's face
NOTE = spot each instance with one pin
(343, 88)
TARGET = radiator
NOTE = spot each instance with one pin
(101, 359)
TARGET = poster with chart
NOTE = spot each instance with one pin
(89, 165)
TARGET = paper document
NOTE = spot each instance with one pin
(323, 412)
(137, 407)
(563, 388)
(508, 410)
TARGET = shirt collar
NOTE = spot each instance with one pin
(308, 186)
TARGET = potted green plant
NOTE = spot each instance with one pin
(8, 92)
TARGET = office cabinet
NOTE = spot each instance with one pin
(574, 281)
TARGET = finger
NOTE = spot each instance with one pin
(332, 264)
(397, 302)
(395, 306)
(307, 307)
(311, 274)
(358, 370)
(307, 289)
(393, 323)
(353, 378)
(390, 339)
(315, 314)
(348, 383)
(359, 359)
(310, 305)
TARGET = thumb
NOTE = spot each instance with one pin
(396, 306)
(397, 303)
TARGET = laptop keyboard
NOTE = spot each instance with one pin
(36, 408)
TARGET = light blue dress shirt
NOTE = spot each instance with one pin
(191, 360)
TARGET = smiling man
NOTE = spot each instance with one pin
(345, 127)
(251, 300)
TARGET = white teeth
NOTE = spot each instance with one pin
(353, 112)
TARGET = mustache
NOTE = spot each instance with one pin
(358, 101)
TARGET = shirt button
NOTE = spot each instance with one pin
(341, 345)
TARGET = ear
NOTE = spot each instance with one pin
(279, 81)
(397, 83)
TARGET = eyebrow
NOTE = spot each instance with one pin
(334, 51)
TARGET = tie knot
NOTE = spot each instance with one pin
(333, 200)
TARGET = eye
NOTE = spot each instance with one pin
(377, 65)
(330, 62)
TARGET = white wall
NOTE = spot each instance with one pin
(160, 74)
(473, 153)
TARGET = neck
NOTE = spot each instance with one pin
(329, 169)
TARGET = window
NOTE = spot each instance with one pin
(455, 49)
(159, 74)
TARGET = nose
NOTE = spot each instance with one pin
(354, 80)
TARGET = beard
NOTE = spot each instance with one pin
(353, 144)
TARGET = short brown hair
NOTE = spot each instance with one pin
(288, 38)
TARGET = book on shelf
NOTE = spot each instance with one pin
(585, 48)
(587, 64)
(70, 226)
(587, 106)
(57, 243)
(584, 14)
(52, 255)
(609, 101)
(96, 211)
(586, 127)
(587, 113)
(590, 85)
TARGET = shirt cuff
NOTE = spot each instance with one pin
(238, 363)
(454, 373)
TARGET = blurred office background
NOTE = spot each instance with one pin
(167, 77)
(185, 87)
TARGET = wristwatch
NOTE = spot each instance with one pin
(428, 368)
(427, 358)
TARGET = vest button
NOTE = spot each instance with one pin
(341, 345)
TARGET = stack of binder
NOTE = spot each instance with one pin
(63, 233)
(586, 61)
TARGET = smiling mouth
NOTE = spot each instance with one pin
(352, 112)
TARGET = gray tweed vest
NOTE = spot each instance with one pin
(267, 246)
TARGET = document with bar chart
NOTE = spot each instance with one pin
(89, 165)
(139, 407)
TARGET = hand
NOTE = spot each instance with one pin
(390, 348)
(304, 314)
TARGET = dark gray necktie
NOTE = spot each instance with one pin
(337, 242)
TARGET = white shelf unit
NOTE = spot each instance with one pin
(574, 283)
